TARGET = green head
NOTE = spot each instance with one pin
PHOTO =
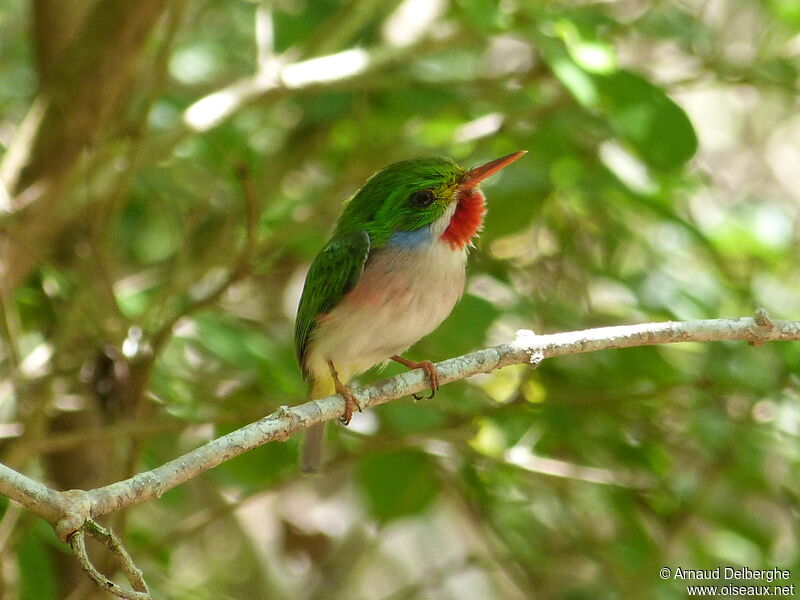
(412, 194)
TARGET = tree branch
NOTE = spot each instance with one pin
(282, 74)
(37, 497)
(526, 348)
(69, 511)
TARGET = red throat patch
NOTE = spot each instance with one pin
(467, 219)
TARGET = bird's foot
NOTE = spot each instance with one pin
(345, 392)
(430, 371)
(350, 403)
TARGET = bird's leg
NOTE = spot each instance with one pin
(430, 371)
(350, 401)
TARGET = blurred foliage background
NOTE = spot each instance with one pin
(170, 170)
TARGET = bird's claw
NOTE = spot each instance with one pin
(345, 392)
(350, 403)
(433, 378)
(430, 371)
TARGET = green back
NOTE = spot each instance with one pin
(334, 272)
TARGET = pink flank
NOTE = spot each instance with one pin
(467, 220)
(393, 288)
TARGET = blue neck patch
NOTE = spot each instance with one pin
(412, 240)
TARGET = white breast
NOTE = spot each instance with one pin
(403, 295)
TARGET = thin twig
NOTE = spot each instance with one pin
(265, 35)
(113, 543)
(110, 541)
(8, 523)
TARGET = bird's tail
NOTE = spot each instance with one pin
(312, 446)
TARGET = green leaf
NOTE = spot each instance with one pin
(452, 337)
(513, 205)
(592, 54)
(579, 83)
(639, 112)
(483, 15)
(786, 10)
(147, 229)
(404, 418)
(259, 468)
(644, 116)
(247, 348)
(397, 484)
(36, 569)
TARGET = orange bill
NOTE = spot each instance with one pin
(477, 174)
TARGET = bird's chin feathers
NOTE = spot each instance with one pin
(467, 219)
(440, 225)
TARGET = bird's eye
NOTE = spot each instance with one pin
(422, 198)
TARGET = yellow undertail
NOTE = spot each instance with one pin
(312, 446)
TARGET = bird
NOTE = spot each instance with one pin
(391, 272)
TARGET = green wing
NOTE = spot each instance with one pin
(333, 273)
